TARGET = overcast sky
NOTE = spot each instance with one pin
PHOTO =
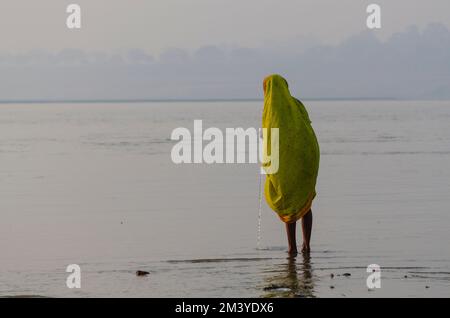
(200, 49)
(154, 25)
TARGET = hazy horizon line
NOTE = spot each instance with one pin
(174, 100)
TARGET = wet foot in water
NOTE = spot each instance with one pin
(306, 249)
(292, 252)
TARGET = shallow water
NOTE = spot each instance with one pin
(93, 184)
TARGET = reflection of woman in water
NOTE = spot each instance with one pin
(287, 282)
(291, 190)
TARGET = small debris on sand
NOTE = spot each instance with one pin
(347, 274)
(332, 275)
(406, 276)
(331, 287)
(142, 273)
(272, 287)
(427, 286)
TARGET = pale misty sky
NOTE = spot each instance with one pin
(155, 25)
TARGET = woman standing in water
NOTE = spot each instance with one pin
(291, 190)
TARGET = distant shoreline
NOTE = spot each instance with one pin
(119, 101)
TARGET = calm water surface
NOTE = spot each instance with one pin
(94, 185)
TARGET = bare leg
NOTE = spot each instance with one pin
(307, 228)
(290, 229)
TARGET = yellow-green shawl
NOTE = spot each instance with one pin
(290, 191)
